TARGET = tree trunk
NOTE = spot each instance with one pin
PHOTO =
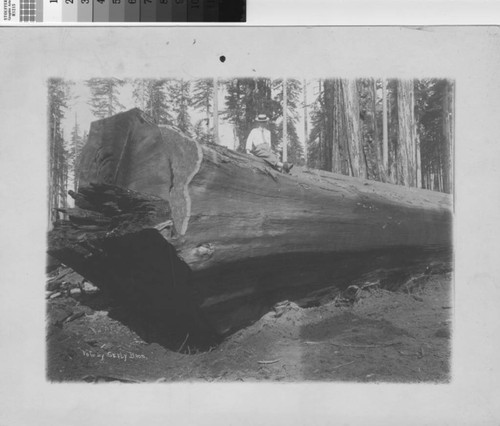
(385, 133)
(192, 234)
(330, 160)
(392, 91)
(353, 132)
(448, 136)
(110, 98)
(346, 128)
(376, 141)
(216, 111)
(285, 116)
(306, 118)
(406, 155)
(52, 187)
(418, 161)
(340, 146)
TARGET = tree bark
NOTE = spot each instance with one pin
(285, 116)
(448, 135)
(330, 158)
(385, 133)
(306, 117)
(353, 133)
(406, 154)
(376, 140)
(418, 161)
(346, 143)
(216, 111)
(202, 233)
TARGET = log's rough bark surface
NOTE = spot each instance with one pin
(202, 234)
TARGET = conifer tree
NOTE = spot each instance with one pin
(202, 100)
(153, 97)
(77, 142)
(294, 92)
(180, 91)
(104, 93)
(58, 94)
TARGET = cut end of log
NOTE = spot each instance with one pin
(128, 150)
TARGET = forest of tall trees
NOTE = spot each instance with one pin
(396, 131)
(59, 156)
(390, 130)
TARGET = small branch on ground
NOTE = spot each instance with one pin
(343, 365)
(74, 316)
(183, 343)
(269, 362)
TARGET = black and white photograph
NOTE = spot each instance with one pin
(293, 225)
(250, 229)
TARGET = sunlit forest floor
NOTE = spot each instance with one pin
(383, 337)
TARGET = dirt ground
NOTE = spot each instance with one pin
(382, 337)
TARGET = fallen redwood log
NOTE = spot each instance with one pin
(194, 234)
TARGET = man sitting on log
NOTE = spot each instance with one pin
(259, 144)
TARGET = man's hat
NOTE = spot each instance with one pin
(262, 118)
